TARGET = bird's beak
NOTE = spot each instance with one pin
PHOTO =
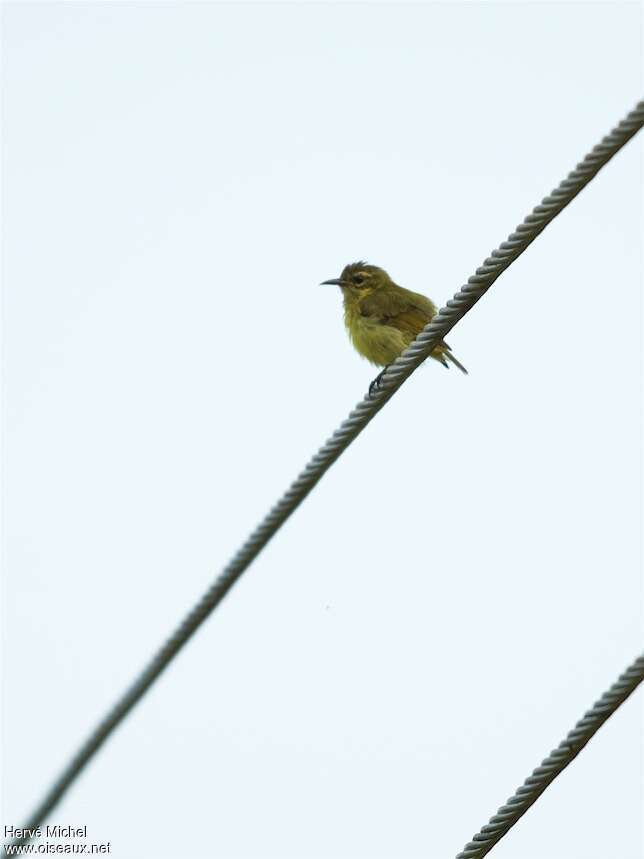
(335, 281)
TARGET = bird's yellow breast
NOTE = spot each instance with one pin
(377, 342)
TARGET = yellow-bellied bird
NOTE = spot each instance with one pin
(382, 318)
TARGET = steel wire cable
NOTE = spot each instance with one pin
(552, 766)
(393, 377)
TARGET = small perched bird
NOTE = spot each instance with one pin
(382, 318)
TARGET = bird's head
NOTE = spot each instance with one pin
(359, 278)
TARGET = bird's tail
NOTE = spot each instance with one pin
(454, 361)
(444, 354)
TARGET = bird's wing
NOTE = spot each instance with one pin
(407, 311)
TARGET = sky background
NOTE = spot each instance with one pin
(465, 582)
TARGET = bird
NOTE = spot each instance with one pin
(382, 318)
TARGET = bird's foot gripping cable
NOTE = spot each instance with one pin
(373, 387)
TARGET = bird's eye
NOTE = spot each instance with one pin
(358, 278)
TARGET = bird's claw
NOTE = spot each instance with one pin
(374, 387)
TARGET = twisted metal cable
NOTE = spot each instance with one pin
(362, 414)
(555, 763)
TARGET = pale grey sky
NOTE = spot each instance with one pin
(466, 581)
